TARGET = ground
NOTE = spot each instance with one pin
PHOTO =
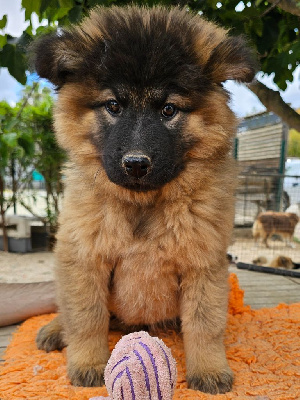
(38, 266)
(30, 267)
(246, 250)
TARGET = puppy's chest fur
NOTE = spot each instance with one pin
(148, 247)
(145, 282)
(144, 294)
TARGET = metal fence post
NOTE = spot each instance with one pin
(281, 168)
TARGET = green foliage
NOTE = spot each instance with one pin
(294, 143)
(15, 147)
(3, 22)
(273, 32)
(13, 141)
(14, 59)
(28, 143)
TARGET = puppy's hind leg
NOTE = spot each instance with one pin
(50, 337)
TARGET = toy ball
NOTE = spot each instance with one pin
(140, 367)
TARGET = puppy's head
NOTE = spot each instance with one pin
(140, 91)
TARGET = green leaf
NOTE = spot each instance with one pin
(3, 22)
(49, 9)
(294, 56)
(3, 40)
(14, 60)
(10, 139)
(19, 152)
(3, 156)
(11, 124)
(75, 14)
(3, 110)
(258, 26)
(41, 30)
(29, 30)
(30, 7)
(61, 12)
(26, 142)
(279, 65)
(66, 4)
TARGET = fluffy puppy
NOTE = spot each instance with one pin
(260, 260)
(148, 205)
(283, 262)
(270, 223)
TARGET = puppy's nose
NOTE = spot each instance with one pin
(136, 165)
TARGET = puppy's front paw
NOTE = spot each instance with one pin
(213, 383)
(87, 376)
(50, 338)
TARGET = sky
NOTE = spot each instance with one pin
(243, 101)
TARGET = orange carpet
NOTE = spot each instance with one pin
(263, 349)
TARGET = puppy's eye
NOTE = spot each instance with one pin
(113, 107)
(169, 111)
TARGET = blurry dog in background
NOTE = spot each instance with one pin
(261, 260)
(149, 197)
(278, 262)
(282, 262)
(270, 223)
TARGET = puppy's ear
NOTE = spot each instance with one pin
(231, 59)
(56, 56)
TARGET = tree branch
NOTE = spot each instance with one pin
(275, 4)
(290, 6)
(28, 208)
(272, 100)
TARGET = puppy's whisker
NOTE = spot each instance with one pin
(95, 177)
(84, 153)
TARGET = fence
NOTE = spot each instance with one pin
(266, 182)
(259, 191)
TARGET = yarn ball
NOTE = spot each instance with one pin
(140, 367)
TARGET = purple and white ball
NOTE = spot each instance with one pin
(140, 367)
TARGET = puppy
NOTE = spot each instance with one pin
(269, 223)
(283, 262)
(260, 260)
(148, 204)
(232, 259)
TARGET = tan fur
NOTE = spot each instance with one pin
(261, 260)
(270, 223)
(158, 243)
(150, 256)
(282, 262)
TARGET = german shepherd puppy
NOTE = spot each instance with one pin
(148, 204)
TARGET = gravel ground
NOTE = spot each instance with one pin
(26, 268)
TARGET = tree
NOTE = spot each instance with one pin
(27, 143)
(49, 158)
(16, 148)
(272, 27)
